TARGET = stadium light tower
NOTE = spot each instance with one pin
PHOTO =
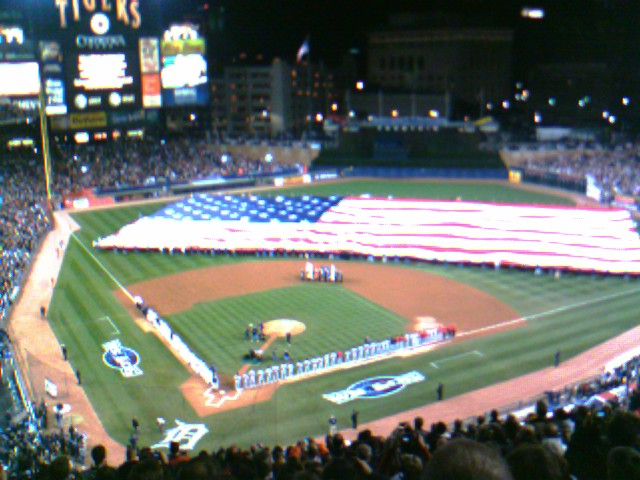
(532, 13)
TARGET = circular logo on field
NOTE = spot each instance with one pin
(122, 358)
(377, 387)
(127, 354)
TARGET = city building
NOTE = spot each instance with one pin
(473, 65)
(271, 99)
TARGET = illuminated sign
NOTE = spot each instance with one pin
(126, 11)
(374, 387)
(53, 78)
(102, 72)
(184, 71)
(181, 32)
(150, 72)
(102, 41)
(11, 35)
(79, 121)
(19, 79)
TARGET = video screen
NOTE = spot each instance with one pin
(19, 79)
(184, 72)
(102, 71)
(99, 81)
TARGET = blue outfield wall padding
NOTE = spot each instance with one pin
(470, 173)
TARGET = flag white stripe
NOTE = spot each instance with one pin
(551, 237)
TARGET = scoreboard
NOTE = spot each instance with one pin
(108, 63)
(106, 46)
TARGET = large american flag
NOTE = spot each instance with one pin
(587, 239)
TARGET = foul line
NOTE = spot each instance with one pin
(115, 280)
(453, 357)
(549, 312)
(108, 319)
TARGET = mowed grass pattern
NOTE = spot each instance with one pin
(572, 313)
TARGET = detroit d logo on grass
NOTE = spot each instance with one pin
(186, 434)
(122, 358)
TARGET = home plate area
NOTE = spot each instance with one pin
(267, 379)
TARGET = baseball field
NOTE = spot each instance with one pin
(510, 322)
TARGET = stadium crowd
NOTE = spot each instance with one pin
(23, 221)
(615, 170)
(149, 162)
(585, 442)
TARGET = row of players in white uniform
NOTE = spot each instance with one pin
(313, 366)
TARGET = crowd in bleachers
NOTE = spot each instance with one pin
(23, 220)
(615, 170)
(27, 446)
(582, 443)
(148, 162)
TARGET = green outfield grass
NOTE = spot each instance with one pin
(572, 313)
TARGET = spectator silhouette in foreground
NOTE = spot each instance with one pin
(100, 470)
(464, 459)
(623, 463)
(536, 462)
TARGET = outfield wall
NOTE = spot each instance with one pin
(400, 172)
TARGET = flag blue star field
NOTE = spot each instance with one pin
(587, 239)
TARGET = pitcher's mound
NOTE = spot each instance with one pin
(425, 323)
(282, 326)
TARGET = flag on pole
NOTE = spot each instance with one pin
(303, 50)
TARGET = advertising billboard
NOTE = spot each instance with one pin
(184, 72)
(53, 78)
(150, 72)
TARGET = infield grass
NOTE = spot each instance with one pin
(572, 313)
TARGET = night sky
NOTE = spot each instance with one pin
(587, 30)
(572, 30)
